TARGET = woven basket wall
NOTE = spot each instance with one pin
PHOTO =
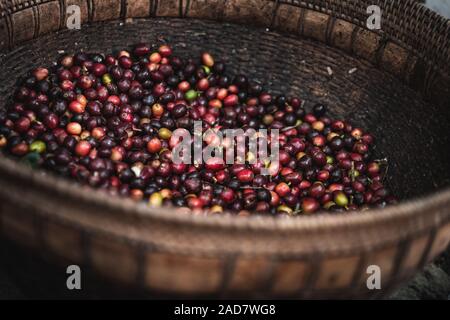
(400, 92)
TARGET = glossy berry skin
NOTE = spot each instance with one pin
(154, 145)
(317, 190)
(227, 195)
(264, 195)
(309, 205)
(193, 185)
(82, 148)
(51, 121)
(341, 199)
(245, 175)
(282, 189)
(22, 125)
(76, 107)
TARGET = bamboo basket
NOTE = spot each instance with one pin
(398, 89)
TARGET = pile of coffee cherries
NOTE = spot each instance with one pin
(107, 120)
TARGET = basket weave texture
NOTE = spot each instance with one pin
(400, 85)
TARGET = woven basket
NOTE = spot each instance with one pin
(399, 90)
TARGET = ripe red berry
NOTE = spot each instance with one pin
(227, 195)
(51, 121)
(310, 205)
(74, 128)
(22, 125)
(214, 164)
(231, 100)
(154, 145)
(245, 175)
(99, 69)
(282, 189)
(111, 119)
(85, 82)
(179, 168)
(82, 148)
(165, 50)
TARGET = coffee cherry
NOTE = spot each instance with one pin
(317, 190)
(154, 145)
(319, 110)
(310, 205)
(51, 121)
(76, 107)
(40, 73)
(282, 189)
(155, 200)
(245, 175)
(107, 121)
(82, 148)
(74, 128)
(191, 95)
(193, 185)
(38, 146)
(340, 199)
(22, 125)
(227, 195)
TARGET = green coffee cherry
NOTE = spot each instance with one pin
(106, 79)
(164, 133)
(207, 69)
(38, 146)
(284, 209)
(191, 95)
(341, 199)
(156, 200)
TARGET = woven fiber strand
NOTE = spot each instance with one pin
(329, 253)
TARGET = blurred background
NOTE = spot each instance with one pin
(441, 6)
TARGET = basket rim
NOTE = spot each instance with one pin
(406, 209)
(128, 208)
